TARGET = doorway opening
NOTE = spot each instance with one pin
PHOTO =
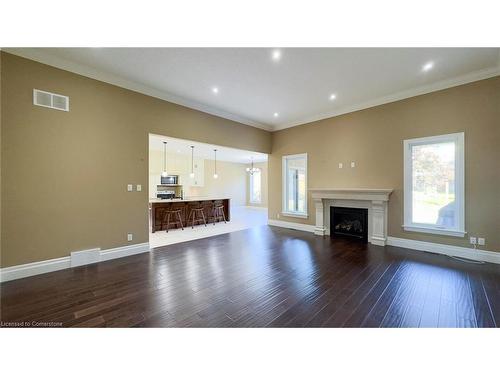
(199, 190)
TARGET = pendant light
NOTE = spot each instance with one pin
(192, 162)
(215, 164)
(164, 173)
(252, 170)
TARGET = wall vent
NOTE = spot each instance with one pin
(50, 100)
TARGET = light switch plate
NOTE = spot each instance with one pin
(130, 236)
(481, 241)
(353, 164)
(130, 187)
(341, 165)
(139, 187)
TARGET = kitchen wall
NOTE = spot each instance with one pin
(64, 174)
(373, 138)
(230, 183)
(264, 181)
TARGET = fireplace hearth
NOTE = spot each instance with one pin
(349, 222)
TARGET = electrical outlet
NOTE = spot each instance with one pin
(130, 236)
(481, 241)
(139, 187)
(341, 165)
(353, 164)
(473, 240)
(130, 187)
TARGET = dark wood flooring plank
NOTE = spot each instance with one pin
(263, 277)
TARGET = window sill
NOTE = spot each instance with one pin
(446, 232)
(294, 214)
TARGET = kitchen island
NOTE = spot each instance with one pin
(159, 206)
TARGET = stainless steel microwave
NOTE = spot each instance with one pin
(170, 180)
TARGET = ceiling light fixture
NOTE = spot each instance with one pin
(428, 66)
(252, 170)
(164, 172)
(276, 55)
(215, 164)
(276, 114)
(215, 90)
(333, 97)
(192, 162)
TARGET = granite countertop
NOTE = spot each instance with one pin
(186, 199)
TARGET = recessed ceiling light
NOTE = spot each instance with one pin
(428, 66)
(276, 55)
(215, 90)
(276, 114)
(333, 97)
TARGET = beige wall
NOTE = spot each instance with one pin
(64, 174)
(230, 183)
(373, 138)
(264, 181)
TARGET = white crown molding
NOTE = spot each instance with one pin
(38, 54)
(426, 89)
(457, 251)
(51, 265)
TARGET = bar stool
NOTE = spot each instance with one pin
(219, 212)
(196, 214)
(175, 212)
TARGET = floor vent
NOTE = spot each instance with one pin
(50, 100)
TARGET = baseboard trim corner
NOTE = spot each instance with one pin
(290, 225)
(457, 251)
(51, 265)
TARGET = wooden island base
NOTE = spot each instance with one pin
(159, 207)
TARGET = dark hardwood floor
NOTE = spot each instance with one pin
(263, 277)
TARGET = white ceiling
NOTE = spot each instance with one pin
(252, 86)
(204, 150)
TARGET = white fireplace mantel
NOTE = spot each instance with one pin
(375, 200)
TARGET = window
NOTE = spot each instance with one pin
(256, 187)
(295, 185)
(434, 185)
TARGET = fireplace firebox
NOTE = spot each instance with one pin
(349, 222)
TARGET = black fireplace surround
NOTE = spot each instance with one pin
(349, 222)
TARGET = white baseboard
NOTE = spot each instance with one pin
(35, 268)
(50, 265)
(290, 225)
(124, 251)
(458, 251)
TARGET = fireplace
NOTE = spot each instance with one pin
(349, 222)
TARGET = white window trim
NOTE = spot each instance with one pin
(251, 188)
(459, 231)
(284, 211)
